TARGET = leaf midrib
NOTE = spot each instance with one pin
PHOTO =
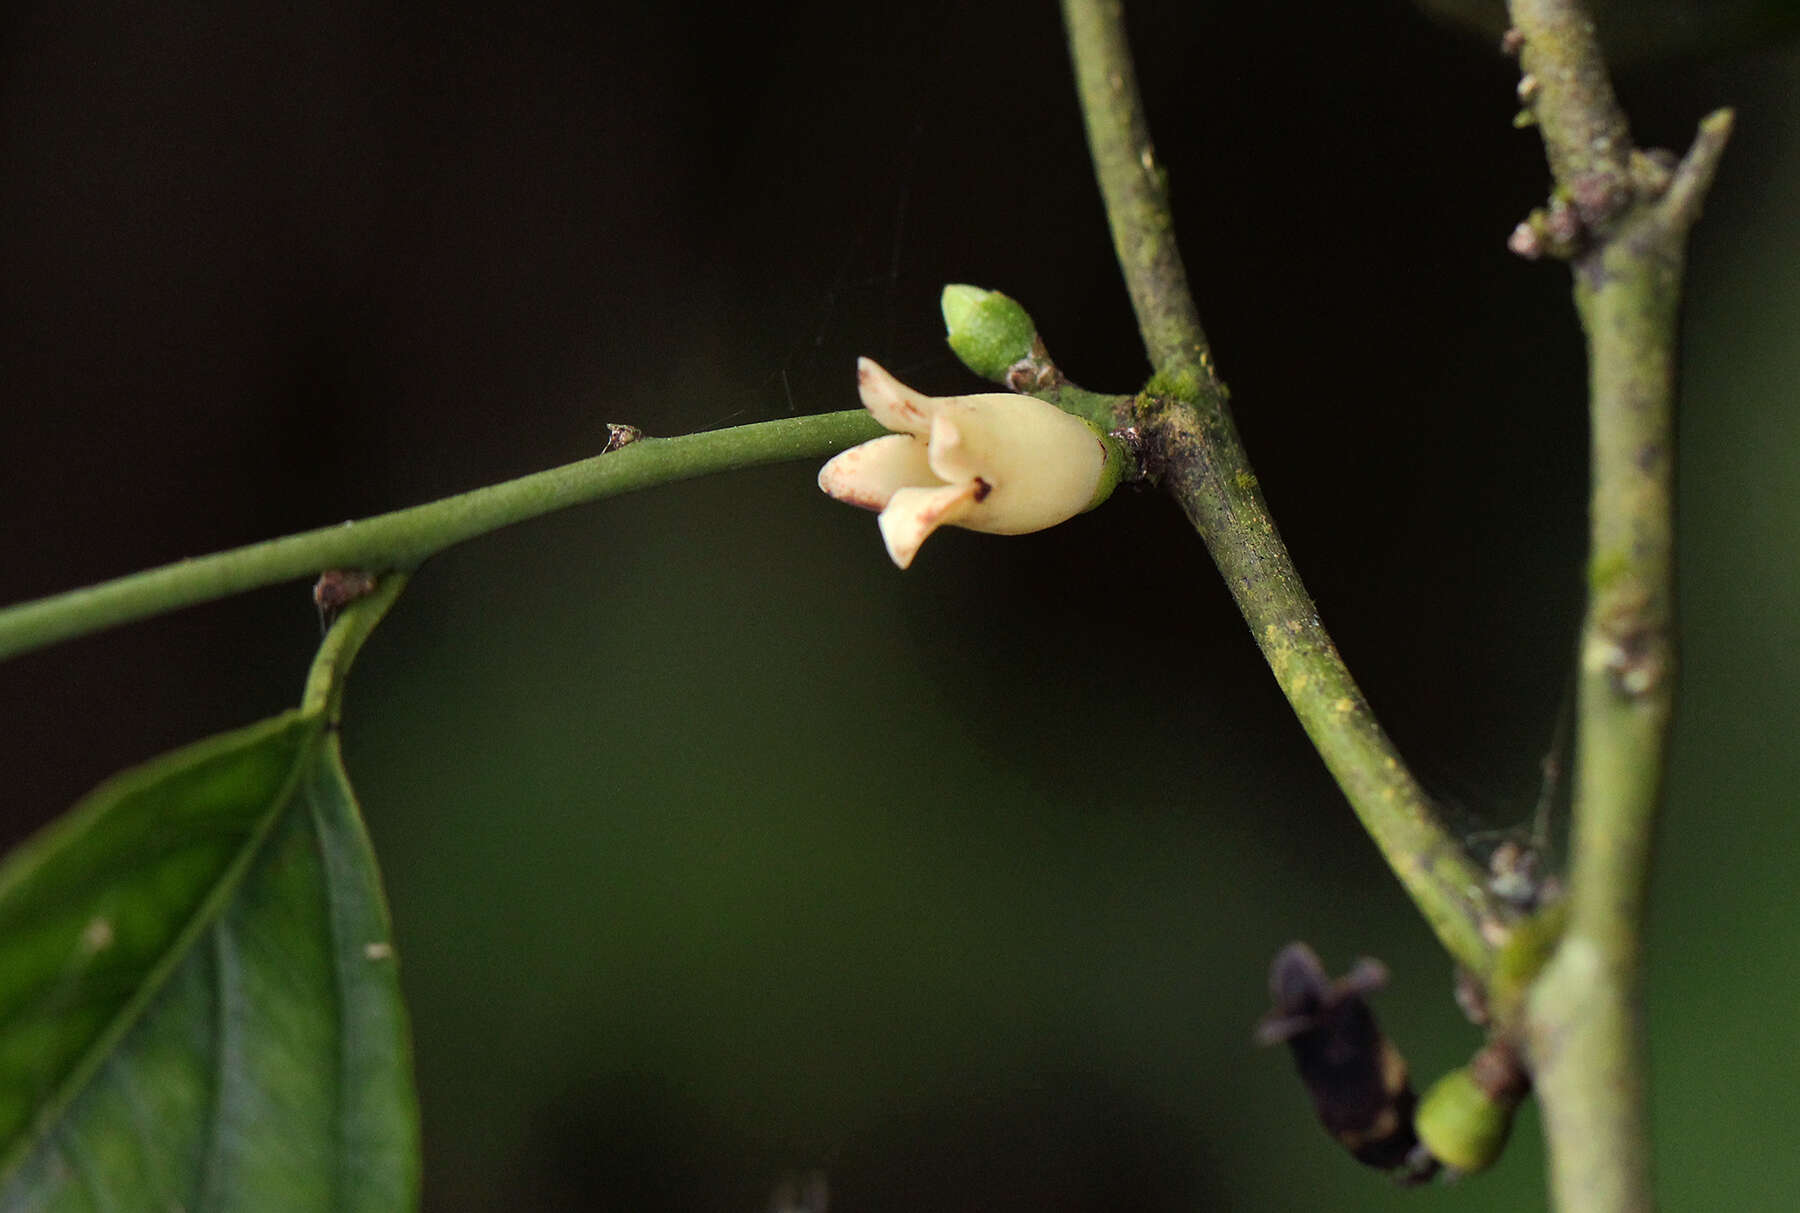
(92, 1058)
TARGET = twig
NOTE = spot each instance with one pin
(1136, 190)
(1584, 1016)
(1193, 449)
(1585, 134)
(404, 538)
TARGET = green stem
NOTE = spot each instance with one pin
(1586, 137)
(1584, 1015)
(331, 664)
(1136, 190)
(1192, 447)
(1204, 466)
(405, 538)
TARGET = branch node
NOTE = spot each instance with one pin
(1557, 231)
(1036, 372)
(1634, 654)
(1137, 447)
(1599, 197)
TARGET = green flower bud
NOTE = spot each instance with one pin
(989, 331)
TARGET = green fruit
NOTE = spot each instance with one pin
(1462, 1125)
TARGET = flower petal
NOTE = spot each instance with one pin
(870, 474)
(913, 513)
(891, 402)
(950, 456)
(1042, 464)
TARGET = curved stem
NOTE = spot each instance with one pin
(1204, 466)
(1584, 1016)
(331, 664)
(1136, 190)
(405, 538)
(1192, 447)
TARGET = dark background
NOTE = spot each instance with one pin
(719, 850)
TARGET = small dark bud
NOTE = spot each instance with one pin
(1356, 1077)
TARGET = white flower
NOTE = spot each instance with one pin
(996, 462)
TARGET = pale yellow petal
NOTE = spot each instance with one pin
(950, 457)
(1041, 464)
(891, 402)
(914, 513)
(870, 474)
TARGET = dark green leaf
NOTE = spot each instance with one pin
(198, 1002)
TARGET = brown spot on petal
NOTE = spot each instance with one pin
(982, 489)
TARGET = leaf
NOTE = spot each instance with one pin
(199, 1007)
